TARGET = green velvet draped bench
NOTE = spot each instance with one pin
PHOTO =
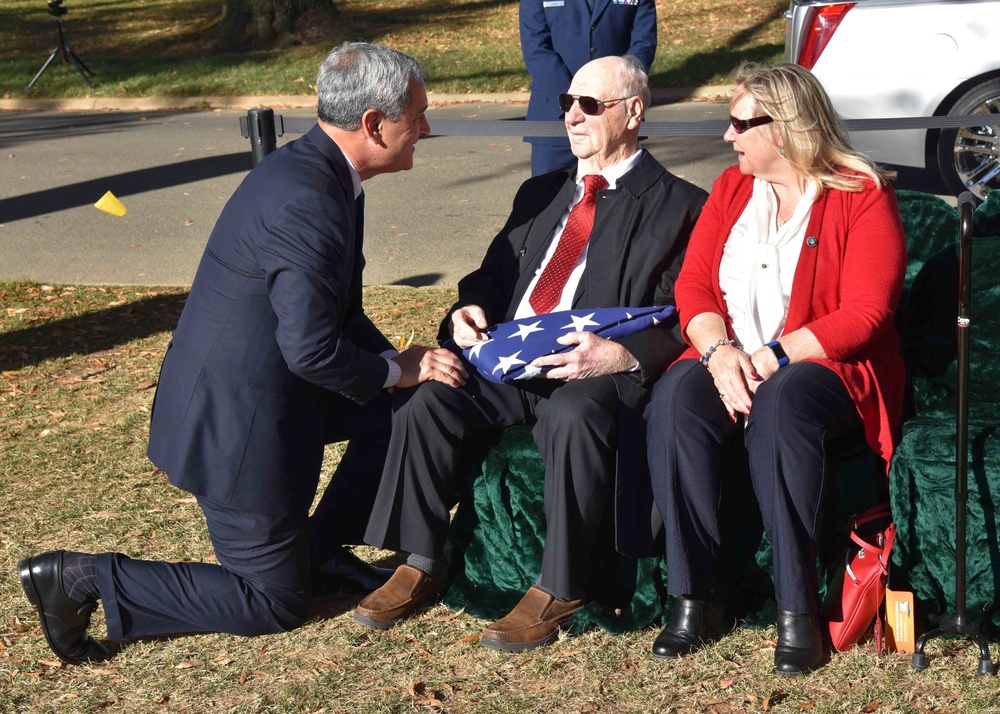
(498, 530)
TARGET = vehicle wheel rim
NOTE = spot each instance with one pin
(977, 152)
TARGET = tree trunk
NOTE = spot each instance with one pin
(262, 22)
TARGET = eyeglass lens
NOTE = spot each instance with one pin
(741, 125)
(589, 105)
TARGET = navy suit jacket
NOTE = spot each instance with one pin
(272, 331)
(558, 37)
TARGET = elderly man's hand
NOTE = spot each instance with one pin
(593, 356)
(420, 364)
(468, 326)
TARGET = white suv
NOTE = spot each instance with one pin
(910, 58)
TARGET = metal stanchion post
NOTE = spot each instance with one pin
(259, 125)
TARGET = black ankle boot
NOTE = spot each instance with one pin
(693, 622)
(800, 646)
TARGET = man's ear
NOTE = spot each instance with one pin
(635, 111)
(371, 125)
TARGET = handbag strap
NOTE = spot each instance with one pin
(882, 549)
(882, 510)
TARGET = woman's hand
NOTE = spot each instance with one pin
(765, 363)
(734, 373)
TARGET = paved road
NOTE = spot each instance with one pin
(175, 170)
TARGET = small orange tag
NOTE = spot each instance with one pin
(899, 636)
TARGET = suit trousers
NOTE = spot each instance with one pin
(262, 583)
(440, 433)
(699, 463)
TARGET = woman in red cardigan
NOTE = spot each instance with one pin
(787, 298)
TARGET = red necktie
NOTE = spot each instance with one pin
(574, 237)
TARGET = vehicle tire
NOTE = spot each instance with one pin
(969, 158)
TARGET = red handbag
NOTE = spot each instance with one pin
(854, 596)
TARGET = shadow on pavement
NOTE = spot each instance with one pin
(419, 281)
(85, 193)
(92, 332)
(913, 179)
(19, 127)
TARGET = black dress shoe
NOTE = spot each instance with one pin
(800, 645)
(692, 624)
(345, 571)
(64, 622)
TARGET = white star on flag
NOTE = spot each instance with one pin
(530, 372)
(523, 331)
(505, 363)
(580, 323)
(474, 350)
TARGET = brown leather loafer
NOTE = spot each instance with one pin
(533, 623)
(407, 590)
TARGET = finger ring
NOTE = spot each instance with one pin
(722, 396)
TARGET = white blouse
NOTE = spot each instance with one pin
(758, 265)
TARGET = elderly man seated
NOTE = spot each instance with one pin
(612, 235)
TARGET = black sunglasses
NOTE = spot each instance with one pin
(589, 105)
(741, 125)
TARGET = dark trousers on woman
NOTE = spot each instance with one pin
(700, 460)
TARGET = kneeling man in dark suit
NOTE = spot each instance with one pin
(273, 357)
(612, 235)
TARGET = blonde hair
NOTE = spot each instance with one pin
(812, 133)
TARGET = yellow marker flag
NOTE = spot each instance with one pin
(109, 203)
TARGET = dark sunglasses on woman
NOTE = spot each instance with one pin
(741, 125)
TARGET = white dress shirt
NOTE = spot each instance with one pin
(611, 175)
(758, 265)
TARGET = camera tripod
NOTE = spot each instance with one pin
(68, 54)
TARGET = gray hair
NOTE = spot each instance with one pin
(633, 80)
(358, 76)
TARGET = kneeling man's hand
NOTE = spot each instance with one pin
(420, 364)
(594, 356)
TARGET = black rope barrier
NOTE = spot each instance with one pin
(262, 125)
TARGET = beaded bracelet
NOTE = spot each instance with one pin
(711, 350)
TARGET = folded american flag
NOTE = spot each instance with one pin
(507, 355)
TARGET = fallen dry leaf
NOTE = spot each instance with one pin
(54, 663)
(773, 698)
(872, 707)
(470, 638)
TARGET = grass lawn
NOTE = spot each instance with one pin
(78, 366)
(141, 48)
